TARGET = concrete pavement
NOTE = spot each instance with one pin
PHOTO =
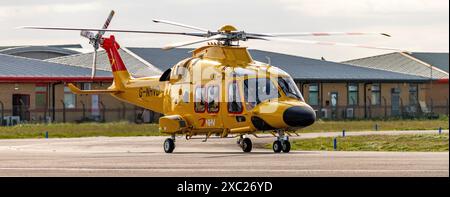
(144, 156)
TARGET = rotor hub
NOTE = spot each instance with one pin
(231, 35)
(227, 28)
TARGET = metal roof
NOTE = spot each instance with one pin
(63, 46)
(401, 63)
(300, 68)
(439, 60)
(135, 65)
(25, 49)
(25, 69)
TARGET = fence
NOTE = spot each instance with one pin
(422, 109)
(22, 114)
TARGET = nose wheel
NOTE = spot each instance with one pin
(285, 146)
(281, 143)
(276, 146)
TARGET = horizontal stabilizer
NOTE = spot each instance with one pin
(77, 90)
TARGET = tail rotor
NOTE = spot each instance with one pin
(96, 40)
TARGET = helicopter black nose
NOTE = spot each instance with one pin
(299, 116)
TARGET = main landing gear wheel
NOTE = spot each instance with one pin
(169, 145)
(246, 145)
(286, 146)
(277, 146)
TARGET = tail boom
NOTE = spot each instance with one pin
(77, 90)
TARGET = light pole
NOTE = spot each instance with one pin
(431, 83)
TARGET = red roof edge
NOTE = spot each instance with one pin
(24, 79)
(443, 80)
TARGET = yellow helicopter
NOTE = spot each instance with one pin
(219, 91)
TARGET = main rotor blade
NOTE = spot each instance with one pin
(181, 44)
(317, 34)
(331, 43)
(179, 25)
(108, 20)
(117, 30)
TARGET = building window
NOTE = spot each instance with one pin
(199, 102)
(376, 94)
(213, 99)
(86, 86)
(41, 96)
(234, 98)
(413, 94)
(352, 94)
(313, 98)
(69, 98)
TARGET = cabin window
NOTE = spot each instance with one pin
(234, 98)
(213, 99)
(69, 98)
(376, 94)
(313, 98)
(352, 90)
(41, 96)
(199, 102)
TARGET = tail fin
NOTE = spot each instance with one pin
(120, 73)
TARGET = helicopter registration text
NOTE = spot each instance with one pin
(148, 91)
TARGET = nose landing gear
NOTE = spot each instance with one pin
(277, 146)
(281, 143)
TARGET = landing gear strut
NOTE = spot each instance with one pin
(169, 144)
(281, 143)
(245, 143)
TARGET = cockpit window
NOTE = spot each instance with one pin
(257, 90)
(290, 88)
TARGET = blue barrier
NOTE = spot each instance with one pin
(335, 143)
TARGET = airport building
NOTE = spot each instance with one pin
(33, 84)
(34, 90)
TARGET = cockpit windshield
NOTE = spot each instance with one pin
(290, 88)
(257, 90)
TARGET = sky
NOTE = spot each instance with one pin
(415, 25)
